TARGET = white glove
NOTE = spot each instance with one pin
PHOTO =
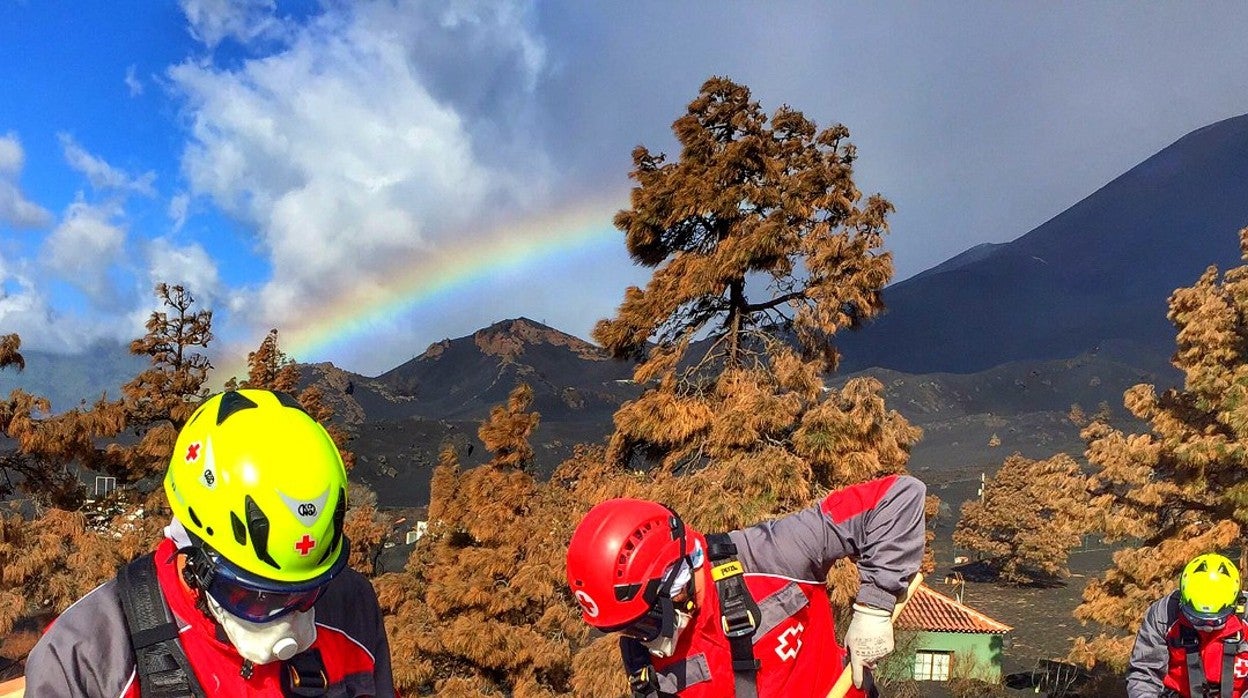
(868, 639)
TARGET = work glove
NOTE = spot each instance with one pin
(869, 639)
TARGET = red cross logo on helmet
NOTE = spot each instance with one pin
(305, 545)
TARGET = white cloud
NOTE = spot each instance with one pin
(188, 265)
(12, 158)
(132, 81)
(84, 248)
(102, 175)
(179, 209)
(26, 309)
(15, 209)
(338, 151)
(211, 21)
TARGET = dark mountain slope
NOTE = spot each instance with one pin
(572, 379)
(1098, 273)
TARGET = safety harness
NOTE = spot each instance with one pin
(738, 619)
(1198, 686)
(161, 664)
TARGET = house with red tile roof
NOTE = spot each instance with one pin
(939, 638)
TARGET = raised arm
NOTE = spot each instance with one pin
(879, 524)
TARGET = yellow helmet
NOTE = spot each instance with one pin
(1209, 590)
(261, 485)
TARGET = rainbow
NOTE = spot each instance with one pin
(430, 276)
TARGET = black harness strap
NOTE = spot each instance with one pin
(739, 614)
(161, 665)
(642, 681)
(303, 675)
(1230, 649)
(1195, 667)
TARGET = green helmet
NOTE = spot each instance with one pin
(1208, 591)
(261, 484)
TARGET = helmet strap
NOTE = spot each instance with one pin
(198, 573)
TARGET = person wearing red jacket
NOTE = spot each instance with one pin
(249, 593)
(747, 613)
(1192, 641)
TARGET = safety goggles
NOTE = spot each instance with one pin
(258, 605)
(1207, 622)
(260, 600)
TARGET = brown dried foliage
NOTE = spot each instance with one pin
(480, 608)
(268, 367)
(1179, 489)
(772, 199)
(1033, 513)
(45, 565)
(10, 352)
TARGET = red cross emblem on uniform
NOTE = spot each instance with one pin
(305, 545)
(1241, 667)
(192, 452)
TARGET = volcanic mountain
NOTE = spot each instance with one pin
(1095, 278)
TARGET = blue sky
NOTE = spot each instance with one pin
(283, 159)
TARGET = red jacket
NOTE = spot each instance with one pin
(86, 652)
(880, 523)
(1159, 660)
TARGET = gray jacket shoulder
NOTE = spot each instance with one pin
(879, 524)
(86, 652)
(1150, 655)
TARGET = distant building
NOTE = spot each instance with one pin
(939, 639)
(417, 532)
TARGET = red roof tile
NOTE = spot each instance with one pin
(932, 611)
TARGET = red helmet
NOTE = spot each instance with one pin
(618, 557)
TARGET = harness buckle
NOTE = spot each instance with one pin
(738, 624)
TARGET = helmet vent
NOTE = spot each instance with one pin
(287, 400)
(194, 416)
(232, 402)
(630, 546)
(258, 524)
(240, 531)
(194, 519)
(340, 515)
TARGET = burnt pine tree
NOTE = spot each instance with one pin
(268, 367)
(49, 448)
(19, 416)
(1034, 512)
(481, 607)
(161, 398)
(11, 352)
(762, 248)
(1180, 487)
